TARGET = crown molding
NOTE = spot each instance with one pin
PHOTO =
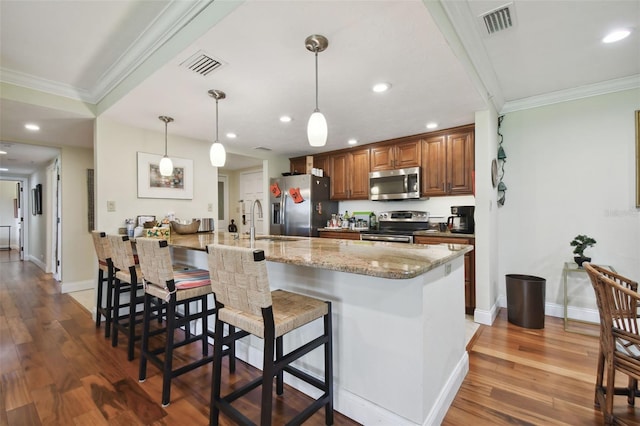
(601, 88)
(173, 18)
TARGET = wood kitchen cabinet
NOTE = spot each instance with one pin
(349, 171)
(469, 266)
(340, 235)
(397, 155)
(298, 165)
(448, 163)
(321, 162)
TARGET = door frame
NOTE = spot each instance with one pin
(224, 222)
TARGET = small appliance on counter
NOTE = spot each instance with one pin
(462, 222)
(206, 224)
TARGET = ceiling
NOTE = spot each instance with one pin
(126, 59)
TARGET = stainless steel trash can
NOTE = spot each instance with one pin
(525, 300)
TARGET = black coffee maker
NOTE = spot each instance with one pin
(462, 222)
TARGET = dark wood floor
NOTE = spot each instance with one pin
(56, 368)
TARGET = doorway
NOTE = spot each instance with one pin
(223, 203)
(251, 189)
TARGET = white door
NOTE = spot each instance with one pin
(223, 204)
(251, 189)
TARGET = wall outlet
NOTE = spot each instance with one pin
(111, 206)
(210, 207)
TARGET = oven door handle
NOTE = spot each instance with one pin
(388, 238)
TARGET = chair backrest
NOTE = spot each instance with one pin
(622, 304)
(155, 262)
(121, 252)
(239, 278)
(101, 244)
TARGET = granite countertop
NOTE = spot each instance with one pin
(377, 259)
(342, 229)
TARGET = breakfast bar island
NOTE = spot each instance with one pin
(398, 319)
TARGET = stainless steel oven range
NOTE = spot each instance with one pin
(397, 226)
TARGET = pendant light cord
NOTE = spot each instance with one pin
(216, 120)
(316, 110)
(165, 138)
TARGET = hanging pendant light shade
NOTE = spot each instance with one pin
(166, 165)
(317, 129)
(217, 153)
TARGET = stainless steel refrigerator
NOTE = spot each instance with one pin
(300, 205)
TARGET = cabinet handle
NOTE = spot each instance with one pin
(444, 187)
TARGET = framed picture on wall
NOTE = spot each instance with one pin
(39, 198)
(34, 210)
(151, 184)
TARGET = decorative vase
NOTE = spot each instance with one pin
(581, 259)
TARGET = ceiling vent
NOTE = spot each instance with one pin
(262, 148)
(499, 19)
(201, 63)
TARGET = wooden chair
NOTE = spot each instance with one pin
(127, 280)
(105, 276)
(244, 300)
(617, 300)
(178, 288)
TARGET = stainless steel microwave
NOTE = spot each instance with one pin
(400, 184)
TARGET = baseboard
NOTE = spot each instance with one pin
(557, 310)
(77, 286)
(485, 317)
(448, 393)
(38, 263)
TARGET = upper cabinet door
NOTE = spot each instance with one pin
(338, 169)
(460, 159)
(398, 155)
(359, 174)
(434, 165)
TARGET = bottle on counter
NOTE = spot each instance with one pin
(345, 220)
(373, 221)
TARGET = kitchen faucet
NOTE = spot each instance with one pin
(252, 229)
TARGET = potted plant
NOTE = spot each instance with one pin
(580, 244)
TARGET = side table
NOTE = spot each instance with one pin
(571, 267)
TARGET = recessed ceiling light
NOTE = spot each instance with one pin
(32, 127)
(285, 119)
(352, 141)
(231, 135)
(381, 87)
(3, 152)
(432, 125)
(616, 35)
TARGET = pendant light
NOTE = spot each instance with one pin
(166, 165)
(217, 154)
(317, 125)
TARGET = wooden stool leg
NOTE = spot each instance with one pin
(205, 325)
(131, 330)
(214, 411)
(328, 366)
(168, 352)
(99, 298)
(280, 373)
(144, 346)
(232, 350)
(268, 367)
(109, 308)
(117, 289)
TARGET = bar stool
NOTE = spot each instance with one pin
(243, 298)
(175, 287)
(105, 275)
(127, 280)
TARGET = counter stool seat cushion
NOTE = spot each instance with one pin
(189, 283)
(290, 311)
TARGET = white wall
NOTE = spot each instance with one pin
(116, 175)
(570, 170)
(37, 247)
(78, 255)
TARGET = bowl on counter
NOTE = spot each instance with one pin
(190, 228)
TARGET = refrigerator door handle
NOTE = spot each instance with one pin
(283, 209)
